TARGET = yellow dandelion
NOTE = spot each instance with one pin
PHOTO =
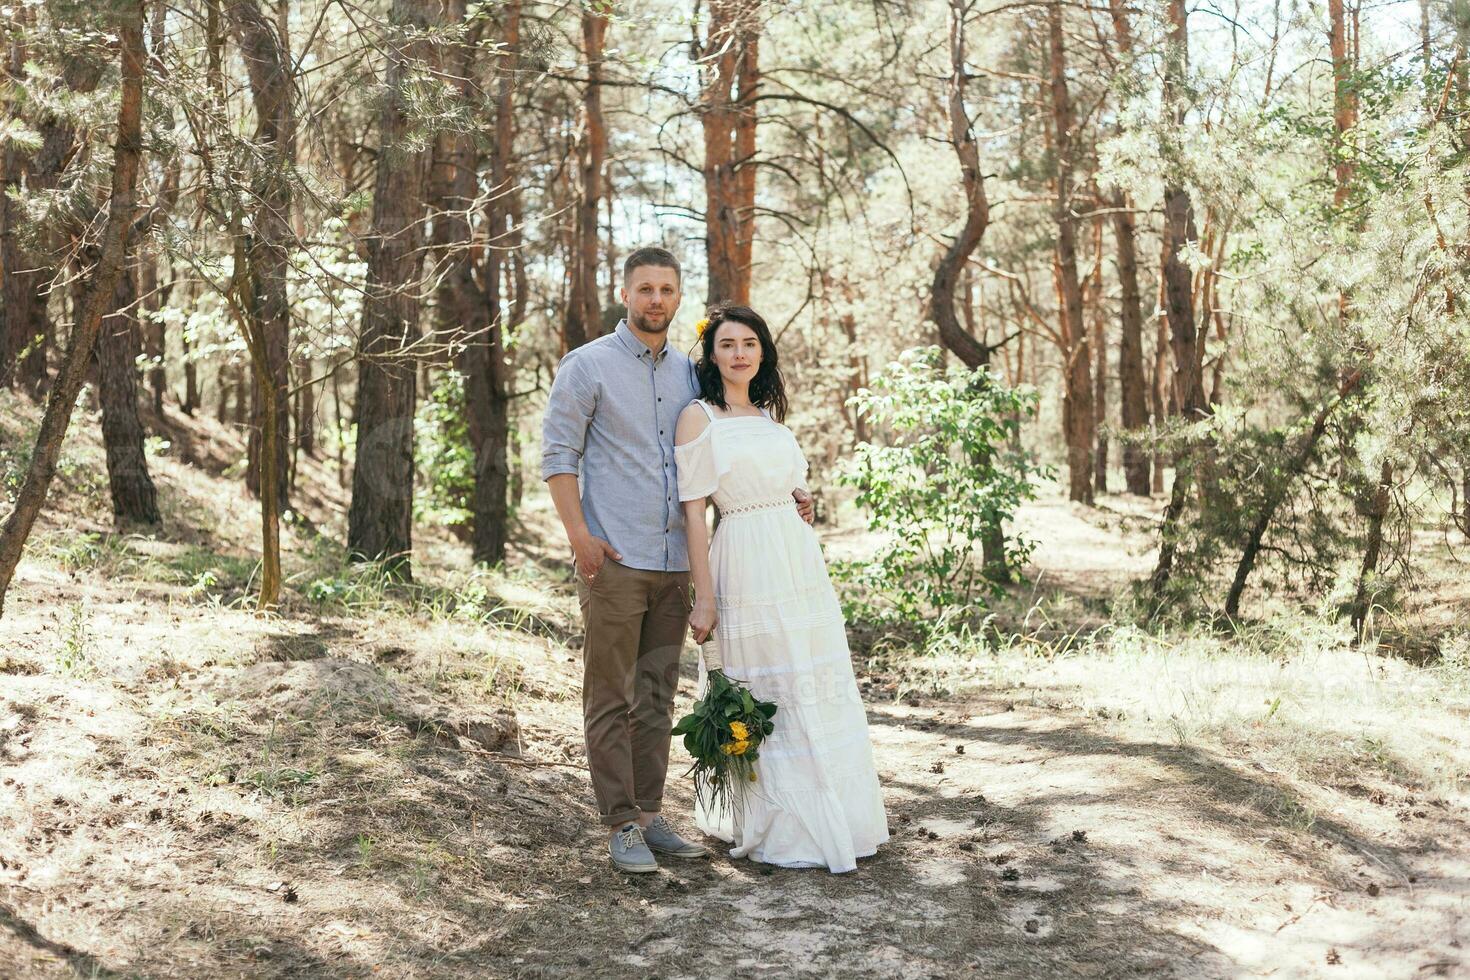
(738, 729)
(729, 748)
(740, 747)
(701, 326)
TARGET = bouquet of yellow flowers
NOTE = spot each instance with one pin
(723, 733)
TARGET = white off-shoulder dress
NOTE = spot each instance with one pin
(816, 801)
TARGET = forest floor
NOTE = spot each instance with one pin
(389, 782)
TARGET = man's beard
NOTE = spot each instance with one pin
(642, 323)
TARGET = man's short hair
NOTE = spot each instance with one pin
(651, 255)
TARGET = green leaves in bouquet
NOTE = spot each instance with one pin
(716, 723)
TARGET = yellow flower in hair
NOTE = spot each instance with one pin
(701, 326)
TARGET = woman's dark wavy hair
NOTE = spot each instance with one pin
(767, 388)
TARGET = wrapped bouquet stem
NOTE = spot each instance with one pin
(723, 733)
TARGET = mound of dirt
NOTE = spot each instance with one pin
(347, 691)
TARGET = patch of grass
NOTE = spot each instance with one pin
(477, 597)
(281, 782)
(78, 551)
(1290, 812)
(272, 778)
(205, 569)
(366, 849)
(74, 650)
(1294, 692)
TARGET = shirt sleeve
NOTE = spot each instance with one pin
(695, 463)
(569, 411)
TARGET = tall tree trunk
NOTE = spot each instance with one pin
(1179, 231)
(1100, 370)
(584, 308)
(268, 63)
(306, 410)
(1132, 388)
(1161, 386)
(240, 392)
(857, 362)
(134, 499)
(153, 299)
(156, 296)
(476, 308)
(730, 64)
(62, 397)
(1081, 426)
(193, 398)
(380, 519)
(1373, 500)
(503, 273)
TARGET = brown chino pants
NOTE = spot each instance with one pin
(635, 622)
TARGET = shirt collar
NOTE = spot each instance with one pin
(637, 347)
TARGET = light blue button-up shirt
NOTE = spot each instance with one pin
(610, 420)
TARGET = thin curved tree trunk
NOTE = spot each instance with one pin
(972, 351)
(62, 397)
(1305, 450)
(969, 349)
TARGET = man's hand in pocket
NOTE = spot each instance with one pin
(591, 553)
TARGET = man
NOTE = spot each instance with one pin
(610, 419)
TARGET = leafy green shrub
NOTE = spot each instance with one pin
(950, 473)
(446, 462)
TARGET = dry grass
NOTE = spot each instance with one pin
(1306, 699)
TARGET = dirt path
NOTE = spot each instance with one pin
(1027, 844)
(1028, 840)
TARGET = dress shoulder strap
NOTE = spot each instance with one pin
(766, 412)
(701, 404)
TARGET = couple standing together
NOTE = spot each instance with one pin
(652, 436)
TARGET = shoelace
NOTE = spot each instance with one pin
(630, 835)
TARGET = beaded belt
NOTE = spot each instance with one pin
(757, 506)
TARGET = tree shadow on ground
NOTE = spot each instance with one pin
(21, 931)
(1226, 789)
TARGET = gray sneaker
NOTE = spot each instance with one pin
(665, 840)
(629, 851)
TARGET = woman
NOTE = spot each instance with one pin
(762, 588)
